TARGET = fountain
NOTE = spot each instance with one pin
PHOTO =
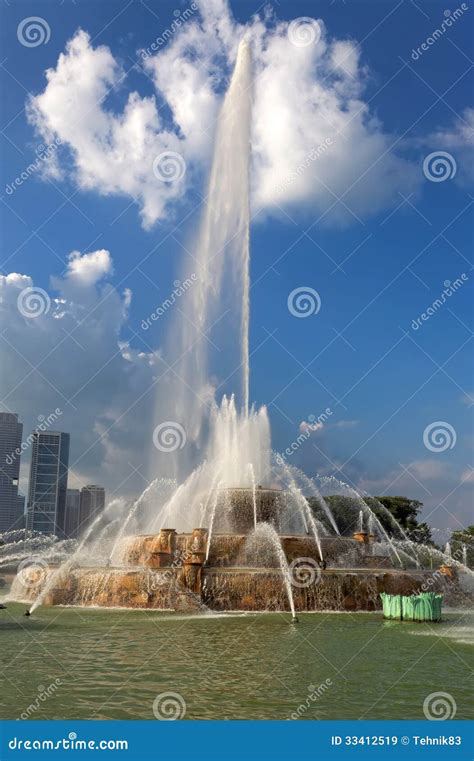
(239, 528)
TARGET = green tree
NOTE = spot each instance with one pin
(390, 511)
(404, 510)
(460, 539)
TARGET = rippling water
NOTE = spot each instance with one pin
(111, 664)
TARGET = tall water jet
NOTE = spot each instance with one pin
(216, 308)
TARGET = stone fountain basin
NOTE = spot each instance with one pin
(229, 550)
(226, 589)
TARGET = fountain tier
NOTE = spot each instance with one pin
(169, 571)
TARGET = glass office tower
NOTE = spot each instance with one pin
(48, 483)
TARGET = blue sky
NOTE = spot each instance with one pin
(378, 258)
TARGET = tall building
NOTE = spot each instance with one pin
(48, 483)
(92, 502)
(20, 517)
(10, 450)
(73, 506)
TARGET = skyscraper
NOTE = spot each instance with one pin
(10, 450)
(73, 506)
(92, 502)
(48, 483)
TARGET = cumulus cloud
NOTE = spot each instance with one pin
(73, 356)
(109, 152)
(309, 428)
(88, 269)
(426, 470)
(315, 142)
(458, 139)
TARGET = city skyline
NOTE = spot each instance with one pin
(16, 511)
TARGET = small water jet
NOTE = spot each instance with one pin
(264, 534)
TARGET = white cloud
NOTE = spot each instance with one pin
(88, 269)
(457, 139)
(111, 153)
(73, 357)
(303, 97)
(426, 470)
(306, 427)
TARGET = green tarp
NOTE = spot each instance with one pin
(423, 607)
